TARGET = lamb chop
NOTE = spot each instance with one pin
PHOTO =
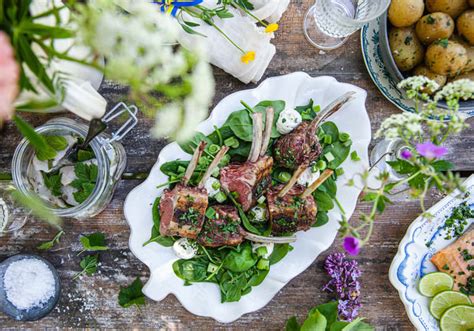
(250, 180)
(224, 229)
(301, 146)
(182, 209)
(292, 207)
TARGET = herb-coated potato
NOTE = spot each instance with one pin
(406, 49)
(465, 25)
(422, 70)
(453, 8)
(434, 26)
(403, 13)
(446, 57)
(469, 52)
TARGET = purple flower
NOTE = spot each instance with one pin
(351, 245)
(430, 150)
(344, 283)
(406, 154)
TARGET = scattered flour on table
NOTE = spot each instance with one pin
(29, 283)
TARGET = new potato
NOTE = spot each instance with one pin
(465, 25)
(446, 57)
(453, 8)
(402, 13)
(434, 26)
(406, 49)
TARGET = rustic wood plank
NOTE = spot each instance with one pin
(92, 301)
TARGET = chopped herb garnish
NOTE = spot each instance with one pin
(445, 267)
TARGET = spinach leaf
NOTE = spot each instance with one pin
(279, 252)
(232, 286)
(190, 271)
(257, 278)
(156, 237)
(321, 218)
(171, 168)
(330, 128)
(340, 153)
(329, 187)
(132, 295)
(239, 261)
(308, 112)
(225, 132)
(241, 152)
(323, 200)
(192, 143)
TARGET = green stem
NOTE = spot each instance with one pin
(250, 109)
(249, 13)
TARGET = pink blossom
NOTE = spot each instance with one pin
(351, 245)
(9, 75)
(406, 154)
(430, 150)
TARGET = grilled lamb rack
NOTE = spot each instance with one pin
(301, 146)
(251, 179)
(296, 209)
(182, 209)
(224, 229)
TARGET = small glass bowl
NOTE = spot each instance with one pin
(111, 161)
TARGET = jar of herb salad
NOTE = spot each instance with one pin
(80, 189)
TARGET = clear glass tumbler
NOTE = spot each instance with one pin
(329, 23)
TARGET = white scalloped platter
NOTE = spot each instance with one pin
(203, 299)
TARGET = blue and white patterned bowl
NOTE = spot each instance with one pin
(413, 257)
(372, 39)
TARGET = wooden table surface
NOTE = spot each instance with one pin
(92, 301)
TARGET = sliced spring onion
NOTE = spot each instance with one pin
(343, 136)
(213, 149)
(339, 171)
(261, 251)
(321, 165)
(220, 197)
(261, 200)
(210, 213)
(355, 156)
(329, 156)
(284, 176)
(231, 142)
(211, 268)
(216, 185)
(327, 139)
(263, 264)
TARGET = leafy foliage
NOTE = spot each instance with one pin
(132, 294)
(89, 265)
(43, 150)
(93, 242)
(85, 182)
(156, 237)
(53, 182)
(47, 245)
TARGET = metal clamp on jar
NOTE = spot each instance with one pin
(110, 159)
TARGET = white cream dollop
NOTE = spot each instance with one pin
(288, 120)
(268, 246)
(308, 177)
(184, 249)
(259, 213)
(209, 186)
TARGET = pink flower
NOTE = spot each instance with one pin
(351, 245)
(9, 75)
(430, 150)
(406, 154)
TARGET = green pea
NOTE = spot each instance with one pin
(284, 176)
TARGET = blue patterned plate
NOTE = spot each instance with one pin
(413, 258)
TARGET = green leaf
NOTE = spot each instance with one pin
(321, 218)
(239, 261)
(292, 324)
(47, 245)
(48, 31)
(132, 294)
(403, 167)
(94, 242)
(38, 142)
(89, 264)
(59, 143)
(279, 252)
(84, 155)
(355, 325)
(315, 322)
(84, 192)
(323, 200)
(329, 310)
(53, 183)
(330, 128)
(194, 270)
(190, 145)
(442, 165)
(85, 182)
(340, 153)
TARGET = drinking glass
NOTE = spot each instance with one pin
(329, 23)
(385, 151)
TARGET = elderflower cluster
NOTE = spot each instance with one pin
(462, 89)
(405, 125)
(418, 85)
(141, 50)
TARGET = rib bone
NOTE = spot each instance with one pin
(267, 240)
(193, 163)
(270, 114)
(213, 165)
(321, 179)
(256, 137)
(301, 168)
(332, 108)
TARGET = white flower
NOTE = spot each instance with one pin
(401, 125)
(418, 83)
(462, 89)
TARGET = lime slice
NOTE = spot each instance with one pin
(458, 318)
(447, 299)
(434, 283)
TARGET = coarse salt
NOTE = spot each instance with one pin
(29, 283)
